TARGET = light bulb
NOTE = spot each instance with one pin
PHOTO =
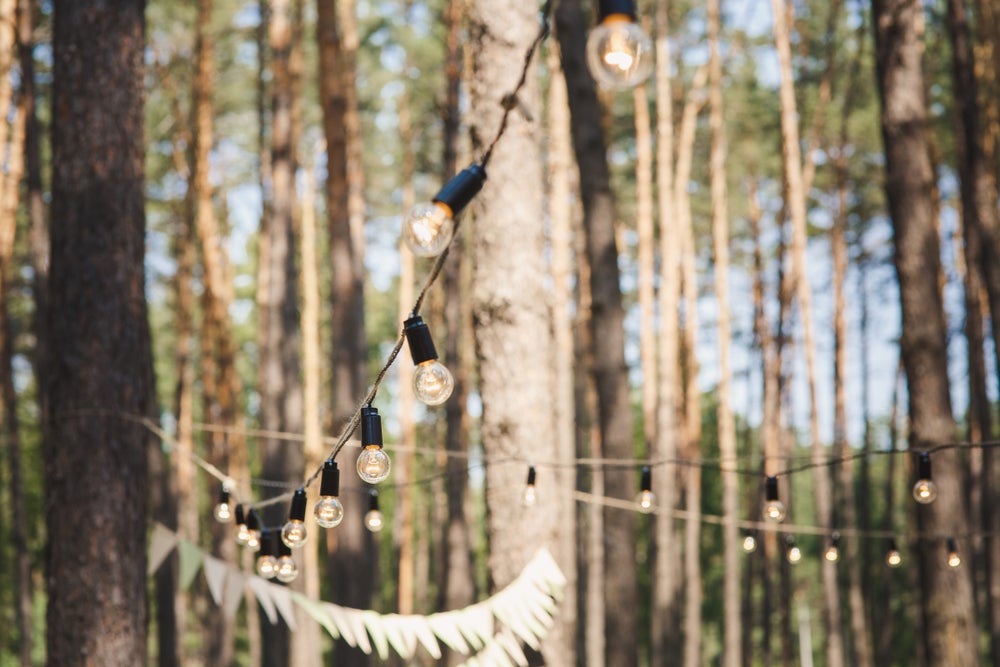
(530, 497)
(924, 491)
(892, 557)
(428, 228)
(267, 566)
(286, 570)
(242, 532)
(954, 560)
(373, 518)
(832, 553)
(794, 554)
(253, 540)
(329, 512)
(774, 509)
(223, 510)
(749, 543)
(646, 501)
(432, 382)
(373, 464)
(293, 533)
(619, 52)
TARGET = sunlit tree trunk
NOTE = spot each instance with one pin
(666, 582)
(609, 369)
(100, 364)
(732, 645)
(646, 259)
(949, 626)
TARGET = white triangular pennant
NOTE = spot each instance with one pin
(446, 630)
(283, 603)
(161, 543)
(512, 648)
(402, 642)
(215, 574)
(375, 624)
(235, 587)
(317, 612)
(261, 588)
(357, 623)
(422, 629)
(339, 616)
(190, 557)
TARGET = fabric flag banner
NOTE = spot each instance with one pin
(216, 572)
(190, 557)
(161, 543)
(235, 585)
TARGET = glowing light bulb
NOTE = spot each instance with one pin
(892, 557)
(749, 543)
(619, 52)
(286, 570)
(832, 553)
(253, 542)
(530, 497)
(428, 227)
(774, 509)
(267, 561)
(293, 533)
(432, 382)
(329, 512)
(242, 532)
(924, 491)
(646, 501)
(374, 521)
(223, 510)
(954, 560)
(794, 554)
(373, 463)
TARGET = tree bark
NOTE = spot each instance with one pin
(610, 371)
(100, 368)
(949, 629)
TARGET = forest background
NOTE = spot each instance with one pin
(780, 256)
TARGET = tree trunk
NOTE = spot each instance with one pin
(949, 630)
(100, 365)
(732, 644)
(353, 543)
(646, 261)
(510, 303)
(665, 613)
(610, 371)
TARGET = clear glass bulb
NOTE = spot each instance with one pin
(253, 541)
(619, 53)
(242, 534)
(646, 501)
(373, 464)
(794, 555)
(374, 521)
(432, 382)
(267, 566)
(774, 511)
(832, 554)
(286, 570)
(893, 558)
(530, 497)
(924, 491)
(223, 512)
(294, 535)
(749, 544)
(428, 228)
(954, 560)
(329, 512)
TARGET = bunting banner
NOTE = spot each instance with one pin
(491, 632)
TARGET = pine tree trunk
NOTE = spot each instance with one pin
(666, 582)
(100, 365)
(646, 260)
(510, 303)
(610, 372)
(949, 628)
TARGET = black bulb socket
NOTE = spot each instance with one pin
(924, 466)
(771, 488)
(531, 475)
(373, 500)
(241, 517)
(269, 541)
(606, 8)
(283, 549)
(462, 187)
(892, 544)
(298, 509)
(371, 427)
(647, 478)
(952, 546)
(253, 520)
(330, 484)
(224, 496)
(418, 335)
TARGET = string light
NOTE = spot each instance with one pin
(242, 532)
(432, 381)
(954, 560)
(329, 511)
(373, 518)
(924, 491)
(529, 498)
(832, 552)
(749, 543)
(223, 510)
(794, 554)
(267, 561)
(619, 52)
(774, 509)
(285, 569)
(892, 557)
(253, 530)
(646, 501)
(428, 227)
(373, 462)
(293, 533)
